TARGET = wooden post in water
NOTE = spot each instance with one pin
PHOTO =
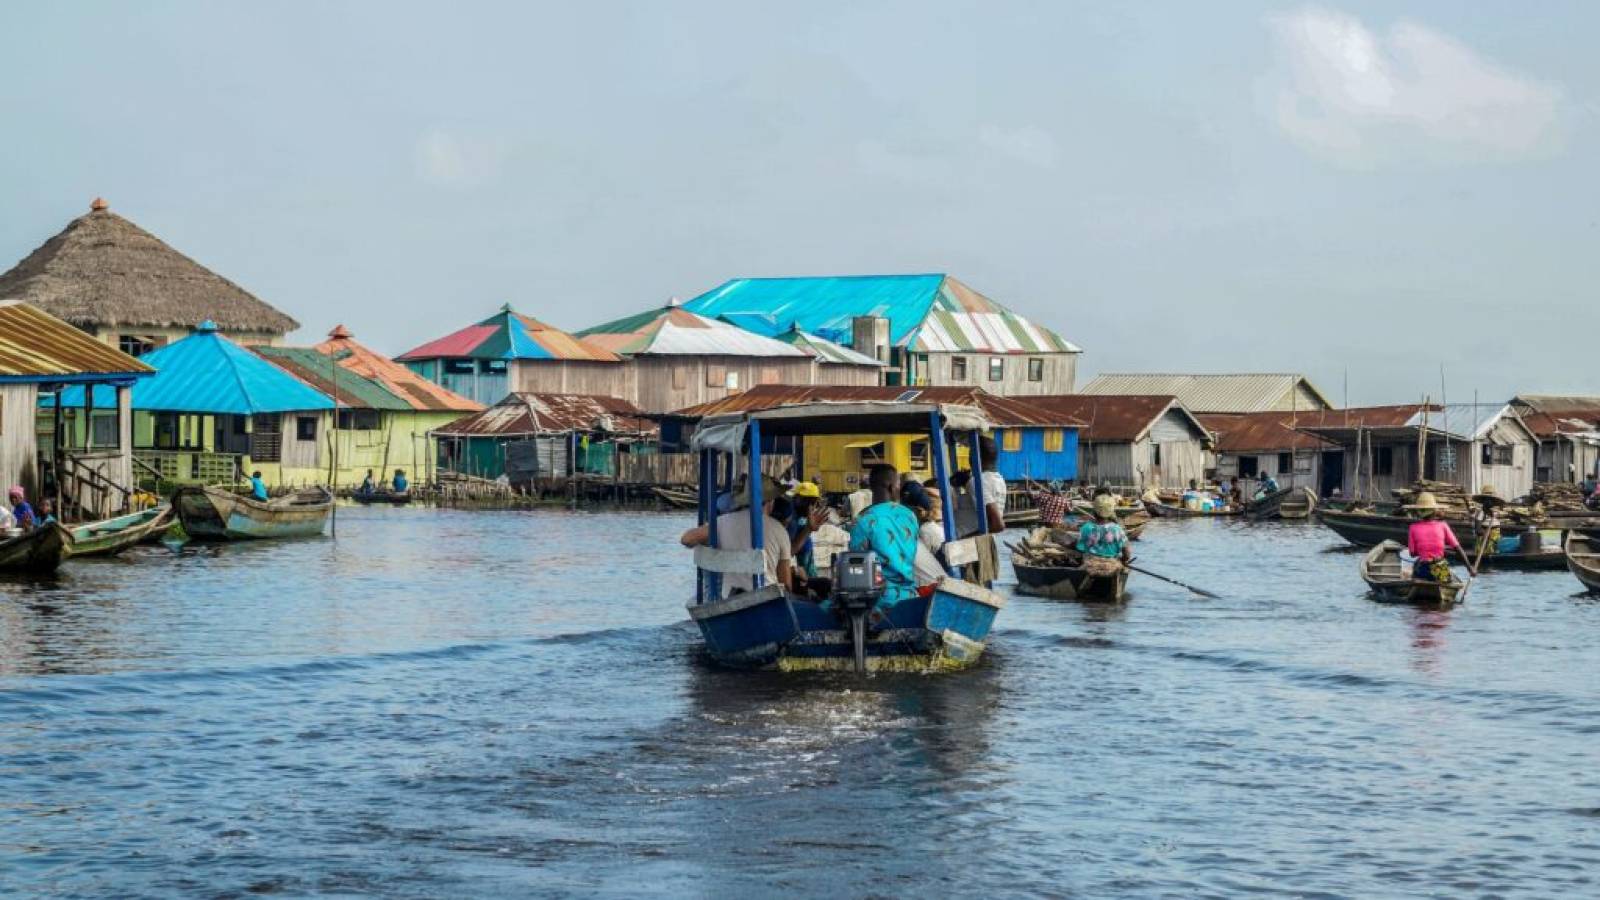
(333, 486)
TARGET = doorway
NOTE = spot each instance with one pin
(1332, 473)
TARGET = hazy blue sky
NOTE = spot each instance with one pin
(1179, 186)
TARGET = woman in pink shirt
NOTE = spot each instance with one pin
(1429, 538)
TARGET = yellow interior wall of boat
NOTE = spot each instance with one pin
(835, 462)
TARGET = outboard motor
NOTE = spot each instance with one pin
(857, 588)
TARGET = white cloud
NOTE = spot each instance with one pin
(1360, 98)
(444, 158)
(1029, 144)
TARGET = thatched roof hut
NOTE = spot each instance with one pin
(103, 271)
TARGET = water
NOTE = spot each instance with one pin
(478, 704)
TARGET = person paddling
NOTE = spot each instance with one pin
(1429, 538)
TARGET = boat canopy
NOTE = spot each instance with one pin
(727, 432)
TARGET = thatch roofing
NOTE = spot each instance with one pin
(103, 270)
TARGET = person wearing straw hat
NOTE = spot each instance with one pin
(1429, 538)
(1485, 516)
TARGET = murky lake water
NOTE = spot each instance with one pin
(451, 703)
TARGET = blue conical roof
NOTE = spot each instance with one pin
(207, 373)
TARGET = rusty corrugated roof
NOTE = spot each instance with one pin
(1549, 425)
(34, 343)
(419, 392)
(524, 413)
(1268, 432)
(1115, 417)
(1003, 412)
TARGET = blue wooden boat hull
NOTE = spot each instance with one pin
(766, 629)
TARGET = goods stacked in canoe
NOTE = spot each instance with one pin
(1048, 564)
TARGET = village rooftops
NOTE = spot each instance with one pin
(1002, 412)
(674, 331)
(103, 270)
(1278, 431)
(526, 414)
(1234, 393)
(510, 335)
(1115, 418)
(825, 351)
(418, 392)
(926, 313)
(37, 347)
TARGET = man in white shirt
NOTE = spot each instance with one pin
(733, 533)
(994, 494)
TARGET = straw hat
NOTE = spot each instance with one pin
(1105, 506)
(770, 488)
(1489, 496)
(1425, 502)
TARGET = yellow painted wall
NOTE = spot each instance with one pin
(836, 466)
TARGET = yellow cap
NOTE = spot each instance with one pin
(807, 489)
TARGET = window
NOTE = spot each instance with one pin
(997, 368)
(305, 428)
(492, 366)
(1285, 462)
(136, 344)
(459, 367)
(103, 430)
(680, 380)
(1011, 440)
(1155, 454)
(1497, 454)
(1054, 440)
(716, 376)
(1249, 466)
(358, 420)
(1035, 368)
(958, 368)
(919, 456)
(1384, 462)
(732, 381)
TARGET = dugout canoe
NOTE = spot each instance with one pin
(109, 537)
(678, 499)
(381, 496)
(1069, 582)
(216, 514)
(38, 551)
(1583, 559)
(1289, 503)
(1169, 511)
(1390, 581)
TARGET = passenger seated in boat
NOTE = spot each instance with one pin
(733, 533)
(47, 512)
(258, 488)
(1104, 538)
(994, 493)
(890, 530)
(1268, 485)
(806, 515)
(1428, 539)
(1053, 505)
(21, 510)
(368, 485)
(922, 503)
(400, 482)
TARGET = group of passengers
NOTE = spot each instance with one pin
(21, 514)
(899, 519)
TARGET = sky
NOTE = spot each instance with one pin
(1393, 197)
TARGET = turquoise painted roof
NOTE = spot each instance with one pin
(926, 313)
(207, 373)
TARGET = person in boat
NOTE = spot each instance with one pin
(368, 485)
(922, 503)
(1429, 538)
(258, 488)
(806, 515)
(1268, 485)
(21, 510)
(400, 483)
(1053, 505)
(1104, 537)
(1486, 517)
(47, 512)
(888, 529)
(994, 493)
(733, 533)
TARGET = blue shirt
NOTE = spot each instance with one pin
(23, 512)
(804, 555)
(1102, 539)
(258, 489)
(400, 483)
(890, 530)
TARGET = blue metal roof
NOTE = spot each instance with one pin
(207, 373)
(822, 306)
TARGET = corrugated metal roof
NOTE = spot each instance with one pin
(207, 373)
(349, 390)
(927, 313)
(35, 343)
(1468, 421)
(1003, 412)
(1117, 417)
(1557, 403)
(1236, 393)
(1268, 432)
(675, 331)
(420, 393)
(826, 351)
(529, 413)
(510, 335)
(1549, 425)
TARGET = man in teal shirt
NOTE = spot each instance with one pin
(258, 488)
(890, 530)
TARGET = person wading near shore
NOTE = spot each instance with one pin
(1428, 539)
(733, 533)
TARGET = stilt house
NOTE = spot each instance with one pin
(510, 352)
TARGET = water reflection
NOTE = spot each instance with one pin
(1428, 639)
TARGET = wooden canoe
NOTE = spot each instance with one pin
(1170, 511)
(1390, 580)
(1068, 582)
(680, 499)
(39, 550)
(385, 496)
(108, 537)
(1583, 558)
(1289, 503)
(217, 514)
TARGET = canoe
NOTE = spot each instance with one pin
(1289, 503)
(1068, 582)
(39, 550)
(1366, 529)
(681, 499)
(1170, 511)
(216, 514)
(1390, 580)
(108, 537)
(1583, 559)
(367, 498)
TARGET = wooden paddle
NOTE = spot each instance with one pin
(1189, 587)
(1472, 573)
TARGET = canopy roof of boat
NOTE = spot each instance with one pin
(726, 432)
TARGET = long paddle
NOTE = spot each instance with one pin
(1472, 573)
(1189, 587)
